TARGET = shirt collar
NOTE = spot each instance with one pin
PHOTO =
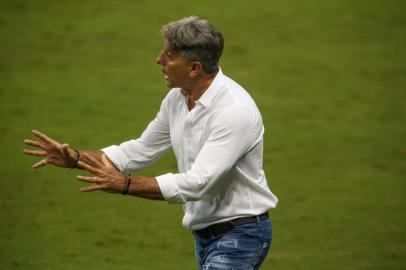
(208, 95)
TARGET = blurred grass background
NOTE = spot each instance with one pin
(328, 76)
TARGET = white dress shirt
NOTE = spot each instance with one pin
(218, 146)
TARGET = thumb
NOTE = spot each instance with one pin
(65, 149)
(106, 162)
(65, 146)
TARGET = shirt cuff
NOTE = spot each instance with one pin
(169, 188)
(117, 156)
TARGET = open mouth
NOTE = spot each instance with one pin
(165, 75)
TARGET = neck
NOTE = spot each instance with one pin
(199, 86)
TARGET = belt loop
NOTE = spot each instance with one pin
(211, 233)
(258, 220)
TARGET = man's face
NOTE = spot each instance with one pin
(175, 68)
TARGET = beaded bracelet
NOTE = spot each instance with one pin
(75, 165)
(126, 186)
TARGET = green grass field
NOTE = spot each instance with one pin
(328, 76)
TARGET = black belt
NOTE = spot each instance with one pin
(224, 227)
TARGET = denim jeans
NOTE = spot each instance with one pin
(243, 248)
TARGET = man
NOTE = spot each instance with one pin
(216, 132)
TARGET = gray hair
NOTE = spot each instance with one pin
(197, 40)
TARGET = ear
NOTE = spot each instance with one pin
(195, 68)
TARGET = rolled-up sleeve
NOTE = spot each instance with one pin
(232, 134)
(117, 156)
(169, 189)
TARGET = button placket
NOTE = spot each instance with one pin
(187, 140)
(188, 137)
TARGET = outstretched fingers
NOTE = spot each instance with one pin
(35, 143)
(43, 137)
(88, 179)
(37, 153)
(89, 168)
(40, 164)
(94, 188)
(94, 180)
(93, 161)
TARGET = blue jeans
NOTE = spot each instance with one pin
(243, 248)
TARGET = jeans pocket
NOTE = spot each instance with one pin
(261, 230)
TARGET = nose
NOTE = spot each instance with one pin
(159, 60)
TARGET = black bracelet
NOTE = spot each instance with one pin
(75, 165)
(126, 186)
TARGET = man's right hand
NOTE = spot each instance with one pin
(52, 151)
